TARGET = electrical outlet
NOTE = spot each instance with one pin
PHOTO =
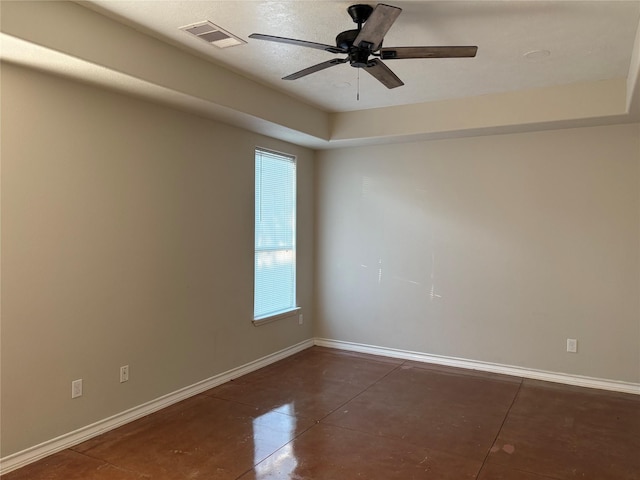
(572, 345)
(124, 373)
(300, 319)
(76, 388)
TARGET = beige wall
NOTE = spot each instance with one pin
(127, 238)
(492, 249)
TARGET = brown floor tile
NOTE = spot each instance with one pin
(568, 432)
(324, 352)
(463, 371)
(326, 452)
(500, 472)
(380, 418)
(314, 384)
(350, 368)
(213, 439)
(451, 413)
(69, 465)
(120, 434)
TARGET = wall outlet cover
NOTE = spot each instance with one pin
(76, 388)
(124, 373)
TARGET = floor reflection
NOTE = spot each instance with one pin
(283, 462)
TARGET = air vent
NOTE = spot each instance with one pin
(213, 34)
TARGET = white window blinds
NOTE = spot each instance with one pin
(275, 234)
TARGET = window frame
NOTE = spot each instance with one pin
(292, 310)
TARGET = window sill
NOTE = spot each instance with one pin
(276, 316)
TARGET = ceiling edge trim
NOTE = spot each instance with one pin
(574, 102)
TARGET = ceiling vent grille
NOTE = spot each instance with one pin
(213, 34)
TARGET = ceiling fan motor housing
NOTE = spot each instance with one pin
(345, 40)
(358, 55)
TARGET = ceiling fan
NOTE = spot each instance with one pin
(366, 41)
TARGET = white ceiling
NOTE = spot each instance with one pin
(587, 41)
(591, 75)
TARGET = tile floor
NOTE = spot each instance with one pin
(326, 414)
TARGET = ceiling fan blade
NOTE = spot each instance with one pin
(392, 53)
(383, 74)
(377, 26)
(300, 43)
(315, 68)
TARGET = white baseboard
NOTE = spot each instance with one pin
(569, 379)
(24, 457)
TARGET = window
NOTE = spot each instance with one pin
(275, 235)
